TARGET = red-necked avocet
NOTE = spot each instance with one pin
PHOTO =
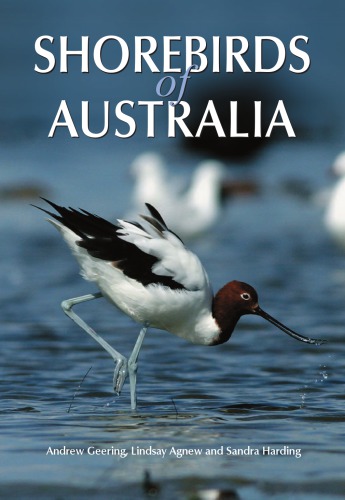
(146, 271)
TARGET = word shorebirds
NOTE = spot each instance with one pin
(146, 271)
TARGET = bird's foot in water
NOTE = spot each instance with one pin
(120, 374)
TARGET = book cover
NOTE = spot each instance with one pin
(226, 117)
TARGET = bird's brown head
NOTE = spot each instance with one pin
(236, 299)
(230, 303)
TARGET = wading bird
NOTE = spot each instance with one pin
(146, 271)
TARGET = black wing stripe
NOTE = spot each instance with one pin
(158, 218)
(129, 259)
(159, 228)
(83, 223)
(156, 215)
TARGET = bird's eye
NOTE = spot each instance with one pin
(245, 296)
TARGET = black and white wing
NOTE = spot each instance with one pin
(147, 252)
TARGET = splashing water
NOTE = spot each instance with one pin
(323, 373)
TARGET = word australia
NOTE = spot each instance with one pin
(121, 119)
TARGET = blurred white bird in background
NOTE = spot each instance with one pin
(191, 209)
(335, 211)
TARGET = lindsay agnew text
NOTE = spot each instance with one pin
(187, 56)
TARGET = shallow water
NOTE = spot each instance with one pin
(262, 389)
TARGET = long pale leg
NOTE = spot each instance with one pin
(133, 366)
(121, 364)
